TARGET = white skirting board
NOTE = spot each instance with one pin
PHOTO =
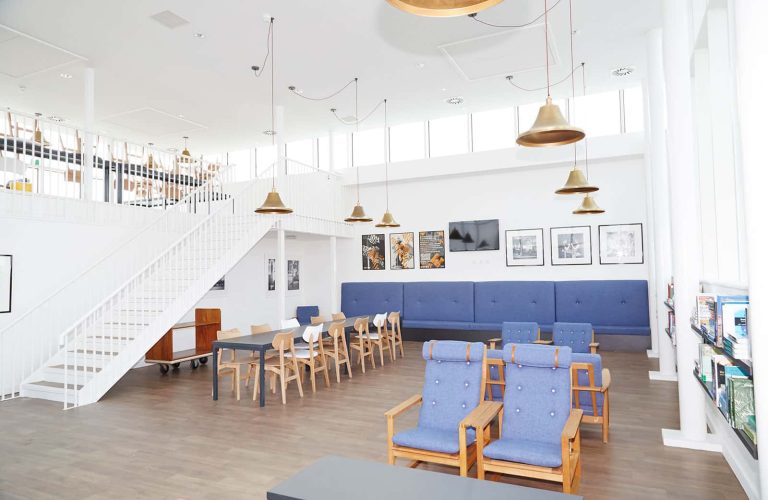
(667, 377)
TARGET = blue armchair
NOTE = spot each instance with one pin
(539, 434)
(580, 337)
(590, 383)
(304, 314)
(511, 333)
(454, 381)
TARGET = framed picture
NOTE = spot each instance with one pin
(373, 252)
(293, 275)
(621, 243)
(219, 285)
(571, 245)
(473, 235)
(525, 247)
(6, 282)
(432, 249)
(401, 251)
(271, 276)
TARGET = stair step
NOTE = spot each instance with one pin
(91, 351)
(55, 385)
(79, 368)
(110, 337)
(52, 391)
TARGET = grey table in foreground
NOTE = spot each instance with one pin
(262, 342)
(334, 478)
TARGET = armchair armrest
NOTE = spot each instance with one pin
(493, 342)
(404, 406)
(542, 342)
(593, 347)
(572, 424)
(480, 417)
(606, 380)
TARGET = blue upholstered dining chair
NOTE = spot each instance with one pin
(304, 314)
(580, 337)
(540, 435)
(454, 381)
(590, 384)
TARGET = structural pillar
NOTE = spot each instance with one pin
(281, 275)
(334, 279)
(751, 75)
(89, 79)
(685, 230)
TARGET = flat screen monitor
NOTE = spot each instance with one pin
(473, 235)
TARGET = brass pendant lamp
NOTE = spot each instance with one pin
(443, 8)
(387, 220)
(358, 214)
(185, 151)
(550, 128)
(588, 204)
(273, 204)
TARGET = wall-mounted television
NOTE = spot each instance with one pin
(473, 235)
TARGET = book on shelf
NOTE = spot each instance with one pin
(726, 397)
(706, 314)
(705, 365)
(742, 401)
(731, 317)
(750, 428)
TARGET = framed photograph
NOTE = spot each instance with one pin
(6, 282)
(621, 243)
(473, 235)
(293, 275)
(271, 276)
(432, 249)
(401, 251)
(571, 246)
(525, 247)
(219, 285)
(373, 252)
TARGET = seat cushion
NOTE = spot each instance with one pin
(526, 452)
(439, 301)
(425, 438)
(437, 325)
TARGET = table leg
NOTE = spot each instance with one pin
(262, 381)
(215, 361)
(348, 336)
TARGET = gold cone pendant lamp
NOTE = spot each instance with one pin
(576, 183)
(387, 220)
(273, 204)
(588, 206)
(443, 8)
(186, 152)
(358, 214)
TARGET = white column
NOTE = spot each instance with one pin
(334, 279)
(686, 257)
(656, 135)
(751, 74)
(331, 157)
(89, 88)
(281, 276)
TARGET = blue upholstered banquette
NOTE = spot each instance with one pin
(500, 301)
(304, 314)
(361, 299)
(612, 306)
(439, 304)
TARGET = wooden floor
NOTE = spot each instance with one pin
(161, 436)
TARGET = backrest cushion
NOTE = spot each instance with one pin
(367, 299)
(577, 336)
(537, 398)
(304, 314)
(380, 319)
(439, 301)
(452, 385)
(585, 398)
(519, 333)
(603, 302)
(499, 301)
(312, 333)
(289, 323)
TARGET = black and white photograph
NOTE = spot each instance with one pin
(271, 277)
(6, 282)
(473, 235)
(571, 245)
(525, 247)
(621, 243)
(219, 285)
(293, 275)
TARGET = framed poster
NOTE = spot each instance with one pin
(525, 247)
(401, 251)
(6, 282)
(432, 249)
(373, 252)
(271, 277)
(219, 285)
(293, 275)
(571, 245)
(621, 243)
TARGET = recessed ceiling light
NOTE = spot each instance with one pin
(199, 35)
(65, 76)
(420, 65)
(623, 71)
(180, 116)
(455, 100)
(269, 132)
(55, 118)
(443, 89)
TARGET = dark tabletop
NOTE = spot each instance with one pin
(334, 478)
(265, 339)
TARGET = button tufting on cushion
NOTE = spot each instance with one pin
(517, 410)
(463, 405)
(434, 403)
(437, 381)
(551, 414)
(466, 384)
(519, 387)
(553, 390)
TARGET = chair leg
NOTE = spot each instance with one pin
(312, 374)
(324, 364)
(338, 372)
(236, 377)
(255, 387)
(283, 384)
(298, 380)
(381, 351)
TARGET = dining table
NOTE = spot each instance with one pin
(262, 342)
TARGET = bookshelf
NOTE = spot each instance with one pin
(746, 365)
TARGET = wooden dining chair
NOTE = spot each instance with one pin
(381, 338)
(395, 333)
(283, 366)
(252, 368)
(338, 351)
(229, 364)
(317, 320)
(312, 355)
(339, 316)
(362, 342)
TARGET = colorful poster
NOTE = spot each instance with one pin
(432, 249)
(373, 252)
(401, 251)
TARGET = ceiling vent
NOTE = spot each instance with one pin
(169, 19)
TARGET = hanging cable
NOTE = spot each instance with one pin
(258, 70)
(386, 155)
(546, 45)
(272, 131)
(586, 150)
(573, 83)
(292, 88)
(357, 130)
(474, 16)
(356, 121)
(511, 77)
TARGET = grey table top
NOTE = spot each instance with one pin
(265, 339)
(334, 478)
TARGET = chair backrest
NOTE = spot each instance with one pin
(577, 336)
(263, 328)
(394, 317)
(336, 330)
(361, 324)
(519, 332)
(289, 323)
(380, 320)
(316, 320)
(283, 342)
(224, 335)
(537, 398)
(338, 316)
(454, 382)
(312, 333)
(586, 380)
(305, 313)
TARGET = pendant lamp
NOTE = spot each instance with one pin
(588, 206)
(387, 220)
(358, 214)
(550, 128)
(273, 204)
(443, 8)
(186, 152)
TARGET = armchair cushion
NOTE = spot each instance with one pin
(544, 454)
(439, 440)
(519, 333)
(585, 397)
(577, 336)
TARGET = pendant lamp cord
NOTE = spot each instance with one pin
(573, 80)
(474, 17)
(295, 92)
(386, 155)
(272, 94)
(586, 150)
(357, 132)
(546, 41)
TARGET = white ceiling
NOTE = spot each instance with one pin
(147, 73)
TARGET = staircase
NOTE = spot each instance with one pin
(85, 358)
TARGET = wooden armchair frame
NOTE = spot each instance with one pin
(501, 382)
(593, 390)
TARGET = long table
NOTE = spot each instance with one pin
(262, 342)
